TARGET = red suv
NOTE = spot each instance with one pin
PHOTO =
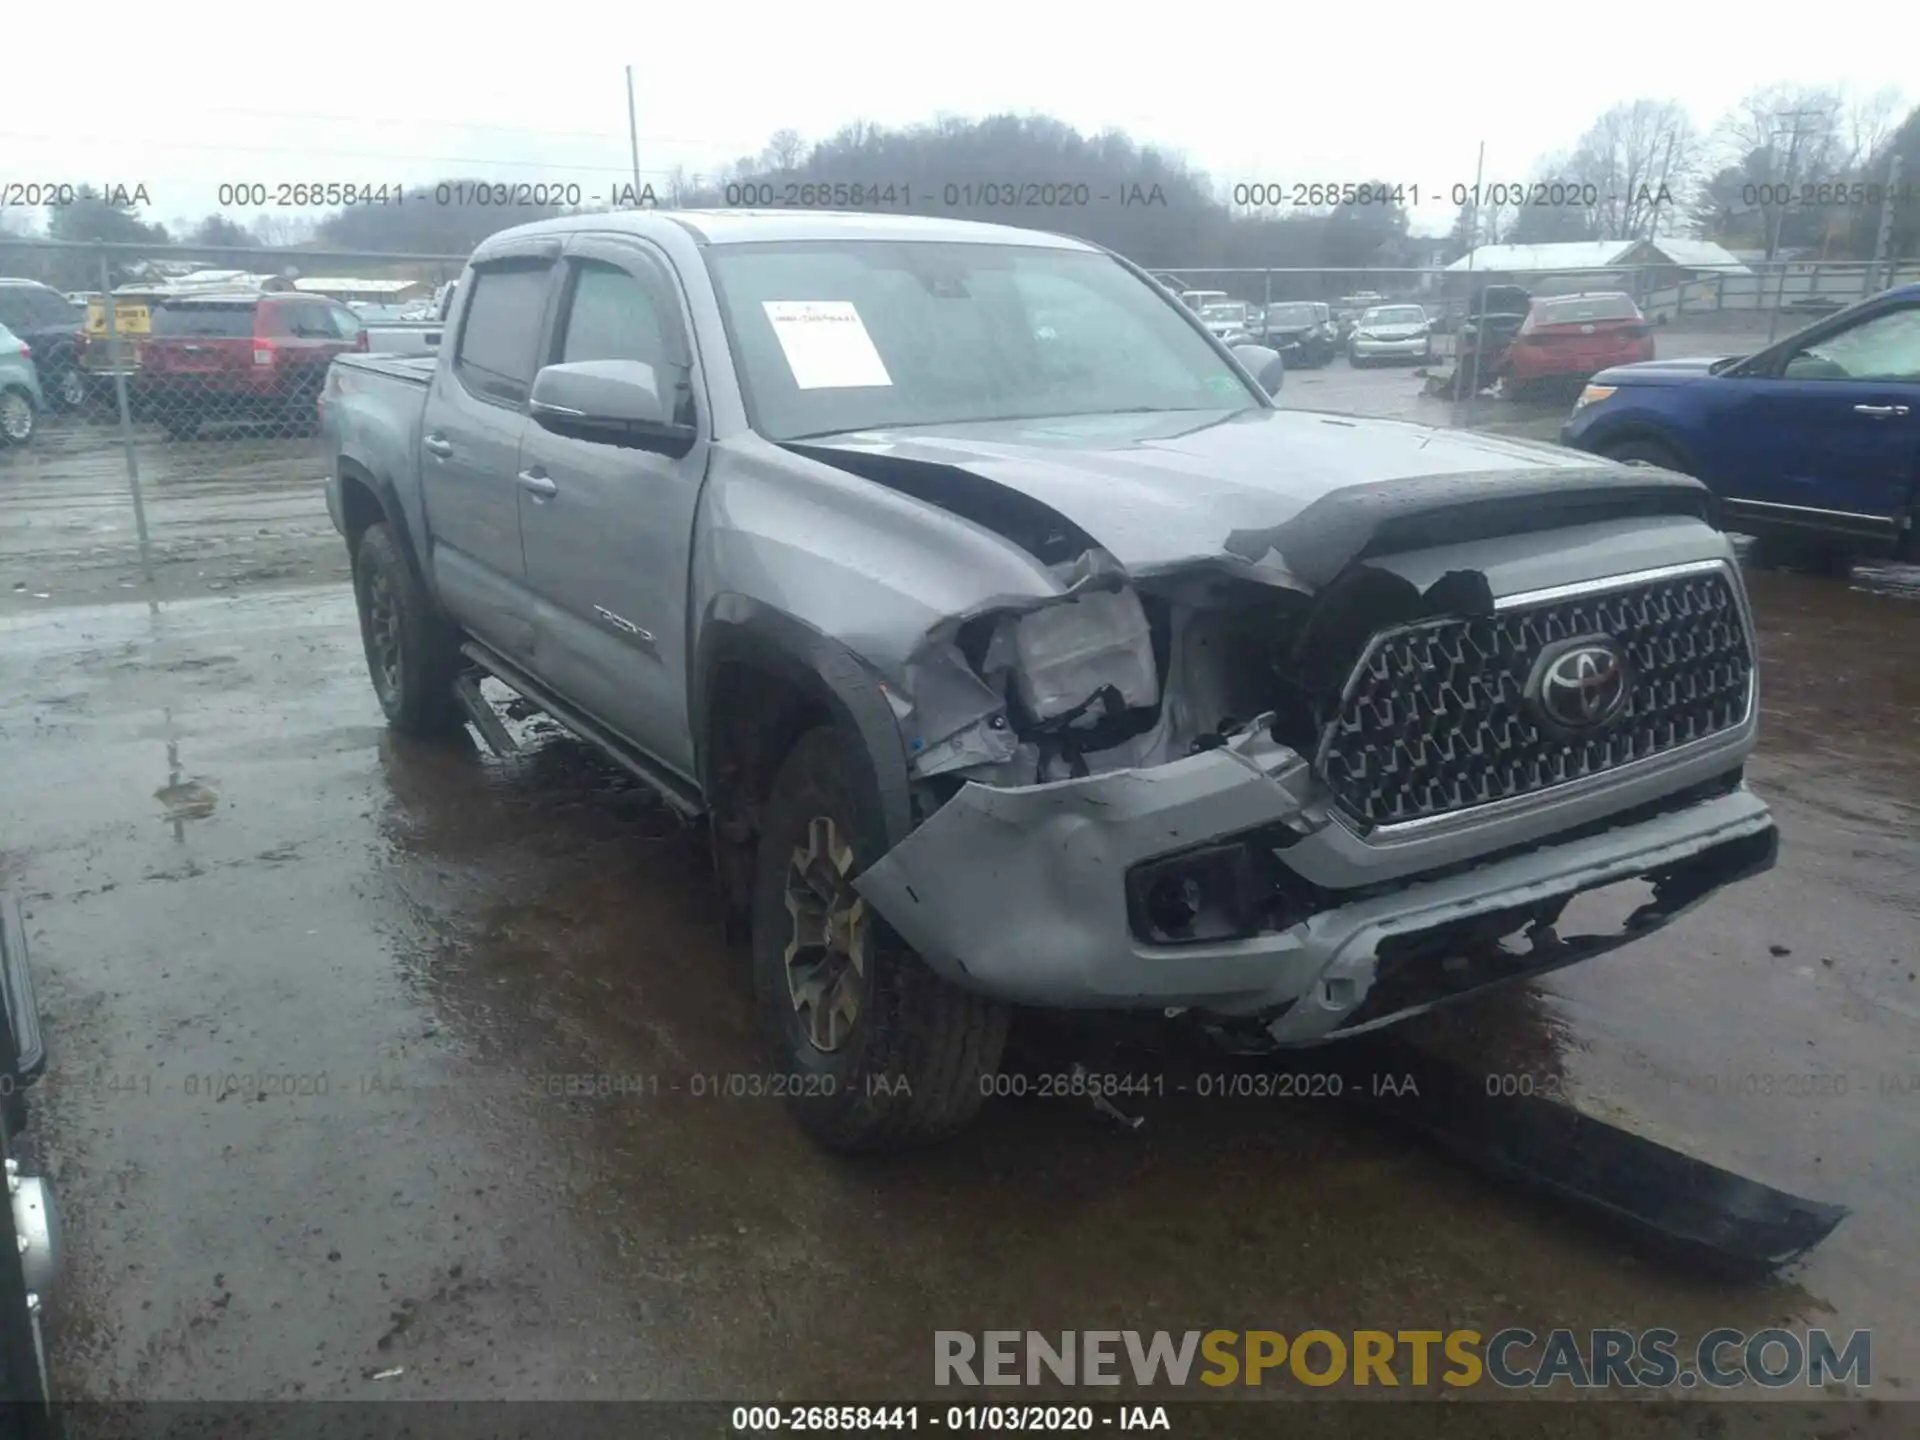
(1573, 337)
(244, 357)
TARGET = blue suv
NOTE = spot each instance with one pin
(1814, 440)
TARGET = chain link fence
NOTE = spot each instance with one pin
(187, 380)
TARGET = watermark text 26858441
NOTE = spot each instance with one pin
(280, 194)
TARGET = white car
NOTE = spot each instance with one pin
(1390, 332)
(1226, 318)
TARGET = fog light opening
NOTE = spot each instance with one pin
(1173, 904)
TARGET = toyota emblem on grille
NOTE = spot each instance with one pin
(1580, 685)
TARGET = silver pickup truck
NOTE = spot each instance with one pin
(1014, 661)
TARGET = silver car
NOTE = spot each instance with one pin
(20, 399)
(1390, 332)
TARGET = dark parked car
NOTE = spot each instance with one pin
(50, 324)
(1302, 330)
(1814, 439)
(246, 357)
(30, 1254)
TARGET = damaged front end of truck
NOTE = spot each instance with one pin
(1304, 783)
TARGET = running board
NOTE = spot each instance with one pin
(484, 717)
(1670, 1201)
(682, 797)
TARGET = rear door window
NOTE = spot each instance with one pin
(345, 322)
(15, 313)
(500, 336)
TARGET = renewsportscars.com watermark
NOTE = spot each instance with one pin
(1512, 1359)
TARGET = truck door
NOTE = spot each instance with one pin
(1832, 434)
(608, 530)
(470, 451)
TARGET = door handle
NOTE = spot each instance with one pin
(437, 445)
(1880, 411)
(535, 483)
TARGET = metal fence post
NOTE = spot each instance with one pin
(115, 358)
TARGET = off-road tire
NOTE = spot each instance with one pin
(911, 1068)
(1652, 452)
(415, 688)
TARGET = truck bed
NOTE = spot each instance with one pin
(417, 369)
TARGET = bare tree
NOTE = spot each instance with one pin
(785, 150)
(1870, 122)
(1782, 138)
(1641, 159)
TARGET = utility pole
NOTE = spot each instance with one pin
(633, 136)
(1473, 247)
(1883, 243)
(1780, 211)
(1798, 117)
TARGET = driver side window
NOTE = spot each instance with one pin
(1885, 348)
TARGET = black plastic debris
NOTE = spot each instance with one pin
(1672, 1202)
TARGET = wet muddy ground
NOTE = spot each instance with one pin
(307, 989)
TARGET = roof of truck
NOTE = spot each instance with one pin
(739, 227)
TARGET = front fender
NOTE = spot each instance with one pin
(739, 629)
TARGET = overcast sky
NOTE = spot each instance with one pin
(182, 98)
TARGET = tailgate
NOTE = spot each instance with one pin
(1596, 342)
(205, 355)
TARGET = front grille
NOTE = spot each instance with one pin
(1435, 719)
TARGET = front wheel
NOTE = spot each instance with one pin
(413, 655)
(16, 417)
(1646, 452)
(875, 1051)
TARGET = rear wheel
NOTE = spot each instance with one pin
(16, 417)
(413, 654)
(880, 1052)
(69, 388)
(181, 424)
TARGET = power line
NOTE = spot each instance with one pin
(387, 156)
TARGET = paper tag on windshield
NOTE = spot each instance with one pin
(826, 344)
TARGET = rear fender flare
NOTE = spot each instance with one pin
(391, 512)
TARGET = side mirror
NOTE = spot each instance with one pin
(611, 402)
(1268, 366)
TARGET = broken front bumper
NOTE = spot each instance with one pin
(1024, 893)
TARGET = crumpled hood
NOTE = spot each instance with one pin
(1159, 489)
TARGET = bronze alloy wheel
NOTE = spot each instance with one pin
(827, 947)
(383, 633)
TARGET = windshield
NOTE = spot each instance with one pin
(831, 336)
(1293, 315)
(1395, 315)
(1224, 312)
(1577, 308)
